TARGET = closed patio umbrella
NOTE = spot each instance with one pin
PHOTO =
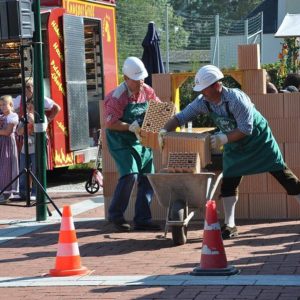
(151, 55)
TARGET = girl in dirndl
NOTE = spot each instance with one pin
(8, 149)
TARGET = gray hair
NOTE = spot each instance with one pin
(29, 81)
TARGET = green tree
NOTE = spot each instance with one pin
(132, 25)
(203, 12)
(232, 9)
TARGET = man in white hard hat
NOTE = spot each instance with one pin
(125, 108)
(247, 141)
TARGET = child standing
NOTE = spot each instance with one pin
(8, 148)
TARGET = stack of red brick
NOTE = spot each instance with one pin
(261, 196)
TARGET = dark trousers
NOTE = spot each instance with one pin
(289, 181)
(122, 194)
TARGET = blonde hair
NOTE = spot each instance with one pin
(29, 81)
(8, 100)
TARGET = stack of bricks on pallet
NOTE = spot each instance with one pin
(254, 78)
(282, 112)
(187, 142)
(183, 162)
(262, 196)
(157, 114)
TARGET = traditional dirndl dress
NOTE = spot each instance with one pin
(9, 166)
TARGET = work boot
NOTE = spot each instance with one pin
(146, 226)
(228, 232)
(121, 225)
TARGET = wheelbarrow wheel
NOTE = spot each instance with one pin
(92, 187)
(179, 233)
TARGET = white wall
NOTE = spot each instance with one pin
(271, 48)
(271, 45)
(287, 6)
(229, 44)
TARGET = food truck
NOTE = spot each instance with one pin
(80, 66)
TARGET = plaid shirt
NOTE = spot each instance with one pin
(239, 105)
(117, 100)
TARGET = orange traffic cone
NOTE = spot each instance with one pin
(68, 257)
(213, 257)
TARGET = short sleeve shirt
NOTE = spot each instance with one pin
(239, 104)
(117, 100)
(12, 118)
(48, 103)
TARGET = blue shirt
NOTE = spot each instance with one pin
(239, 104)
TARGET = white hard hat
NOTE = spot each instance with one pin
(134, 68)
(206, 76)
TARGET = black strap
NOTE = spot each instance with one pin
(208, 106)
(229, 113)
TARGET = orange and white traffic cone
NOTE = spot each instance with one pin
(68, 258)
(213, 258)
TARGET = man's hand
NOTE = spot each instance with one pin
(217, 140)
(161, 136)
(136, 129)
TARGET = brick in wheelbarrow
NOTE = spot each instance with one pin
(187, 142)
(183, 162)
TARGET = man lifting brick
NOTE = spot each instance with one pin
(247, 141)
(125, 108)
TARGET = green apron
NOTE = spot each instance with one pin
(256, 153)
(128, 153)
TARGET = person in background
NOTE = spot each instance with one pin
(31, 150)
(9, 168)
(292, 79)
(51, 110)
(50, 106)
(124, 111)
(271, 88)
(289, 89)
(245, 136)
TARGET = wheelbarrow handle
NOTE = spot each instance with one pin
(212, 188)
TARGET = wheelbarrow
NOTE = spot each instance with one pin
(179, 192)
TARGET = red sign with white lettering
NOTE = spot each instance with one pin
(104, 12)
(59, 139)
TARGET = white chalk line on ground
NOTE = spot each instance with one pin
(68, 189)
(18, 228)
(153, 280)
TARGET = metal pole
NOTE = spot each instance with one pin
(167, 41)
(217, 41)
(25, 135)
(246, 30)
(262, 37)
(39, 120)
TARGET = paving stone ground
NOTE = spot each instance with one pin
(263, 248)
